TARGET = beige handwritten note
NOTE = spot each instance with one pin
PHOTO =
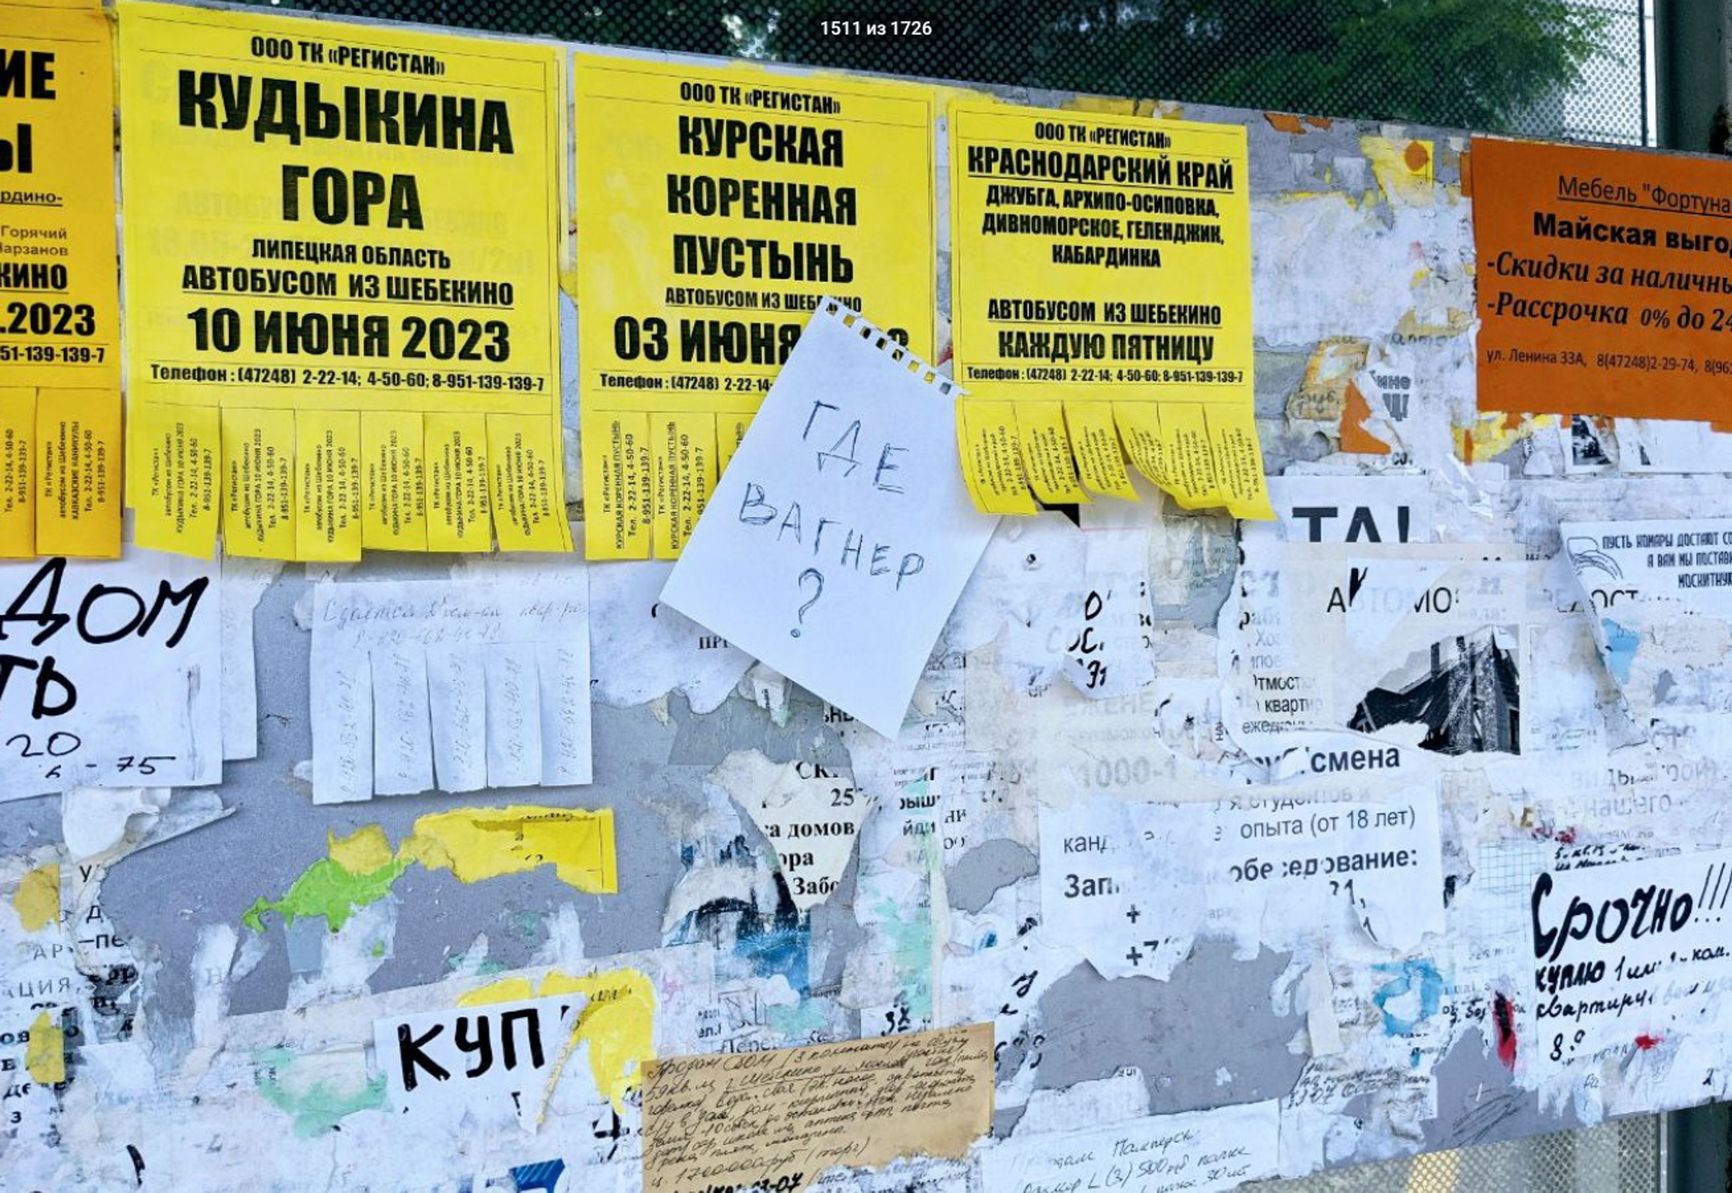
(778, 1120)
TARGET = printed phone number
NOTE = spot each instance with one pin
(1146, 376)
(1648, 363)
(350, 378)
(686, 381)
(48, 354)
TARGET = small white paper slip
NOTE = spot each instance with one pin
(492, 1061)
(841, 534)
(402, 724)
(479, 681)
(110, 673)
(1201, 1151)
(456, 686)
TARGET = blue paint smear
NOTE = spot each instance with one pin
(770, 945)
(544, 1175)
(778, 951)
(1408, 977)
(1620, 649)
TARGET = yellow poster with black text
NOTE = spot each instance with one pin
(60, 445)
(342, 274)
(1100, 276)
(715, 207)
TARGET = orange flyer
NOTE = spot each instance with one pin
(1604, 280)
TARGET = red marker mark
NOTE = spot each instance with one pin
(1503, 1018)
(1646, 1041)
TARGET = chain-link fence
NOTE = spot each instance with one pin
(1615, 1157)
(1568, 69)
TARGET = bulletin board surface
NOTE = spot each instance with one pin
(1201, 816)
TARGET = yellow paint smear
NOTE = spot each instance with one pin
(1493, 433)
(1404, 169)
(1322, 394)
(45, 1054)
(618, 1022)
(37, 899)
(1114, 106)
(361, 852)
(478, 843)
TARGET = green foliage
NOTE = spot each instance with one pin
(1474, 64)
(1459, 63)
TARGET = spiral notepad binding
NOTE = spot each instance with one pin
(884, 342)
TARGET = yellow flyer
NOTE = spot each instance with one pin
(1101, 308)
(715, 207)
(59, 304)
(342, 278)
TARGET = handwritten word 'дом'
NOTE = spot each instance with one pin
(106, 613)
(841, 459)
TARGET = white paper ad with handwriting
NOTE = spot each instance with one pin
(110, 673)
(841, 534)
(1196, 1152)
(451, 684)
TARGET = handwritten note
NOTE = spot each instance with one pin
(451, 684)
(1197, 1152)
(492, 1061)
(110, 673)
(1627, 956)
(779, 1119)
(841, 534)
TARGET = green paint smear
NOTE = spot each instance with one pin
(911, 945)
(318, 1109)
(803, 1017)
(326, 888)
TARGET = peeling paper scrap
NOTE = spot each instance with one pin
(1320, 1021)
(643, 649)
(841, 534)
(1263, 627)
(94, 820)
(1646, 585)
(154, 620)
(781, 1118)
(1682, 562)
(810, 815)
(1200, 1151)
(1422, 645)
(1650, 445)
(451, 684)
(244, 582)
(42, 989)
(477, 843)
(490, 1061)
(1135, 884)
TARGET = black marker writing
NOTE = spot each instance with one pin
(105, 614)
